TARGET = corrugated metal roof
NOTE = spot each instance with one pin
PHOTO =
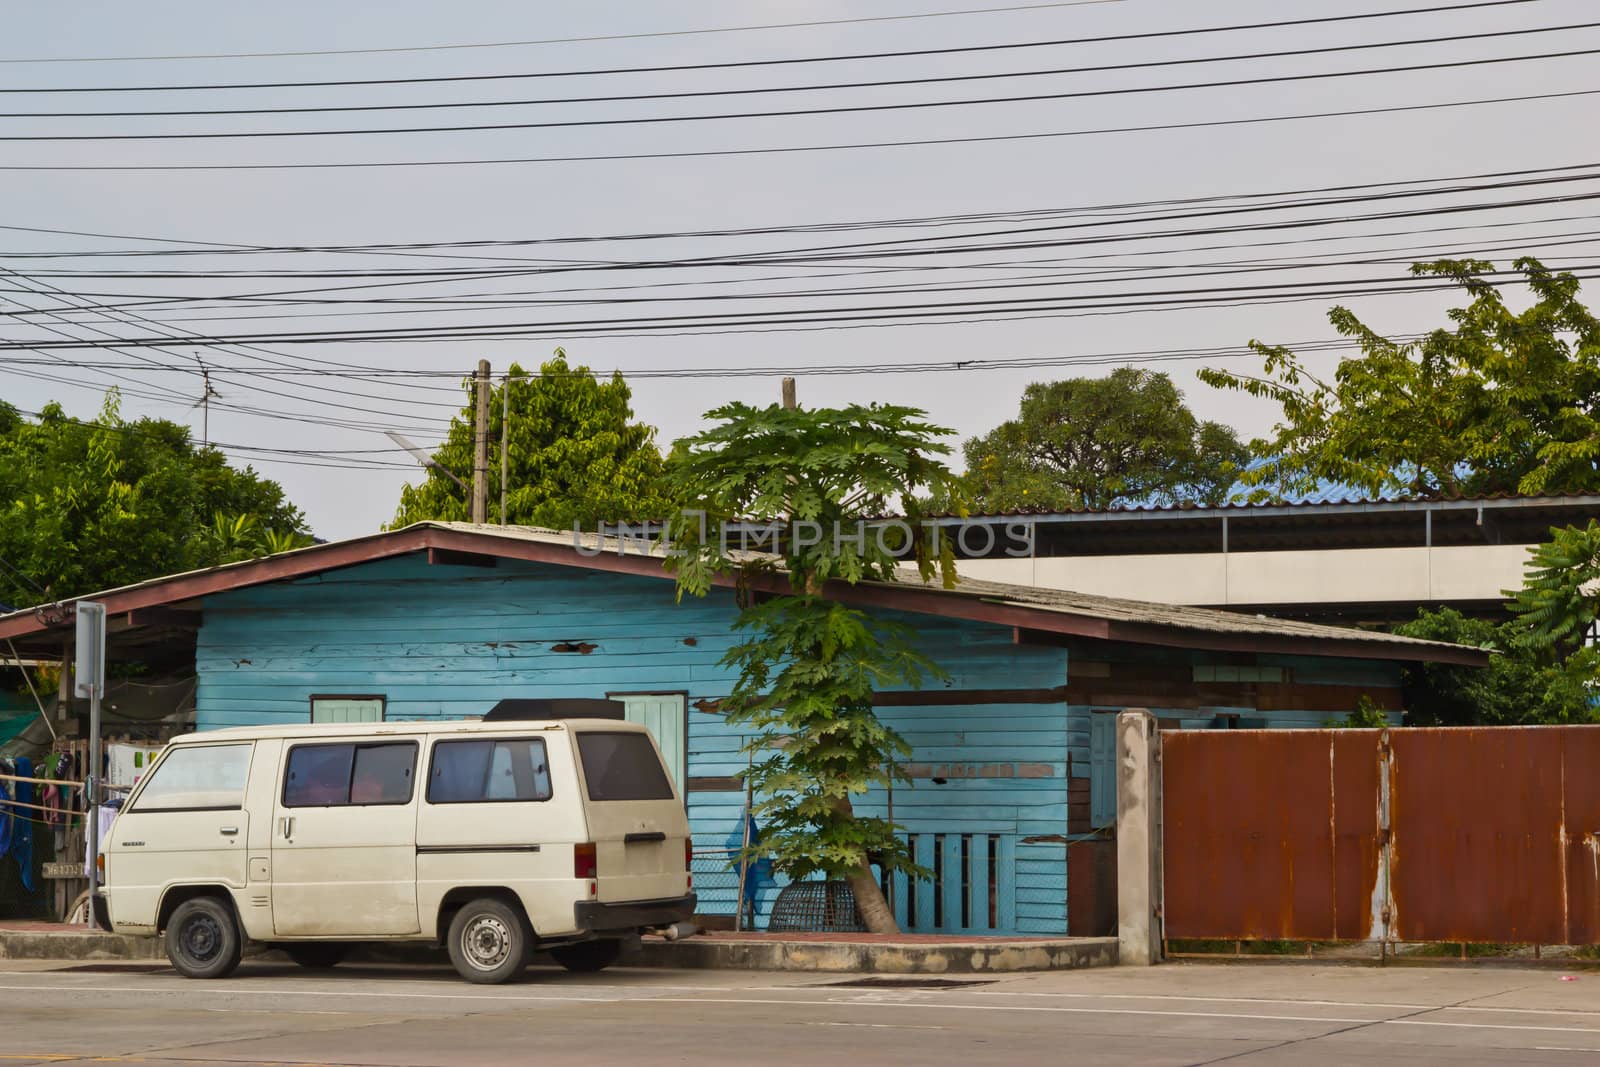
(1345, 497)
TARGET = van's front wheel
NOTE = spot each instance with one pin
(586, 957)
(203, 939)
(489, 941)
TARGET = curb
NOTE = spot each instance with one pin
(971, 957)
(43, 945)
(878, 958)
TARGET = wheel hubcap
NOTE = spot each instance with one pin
(486, 942)
(202, 938)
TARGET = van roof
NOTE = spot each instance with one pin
(402, 729)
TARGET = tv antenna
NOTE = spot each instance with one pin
(204, 403)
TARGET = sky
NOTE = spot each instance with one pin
(312, 415)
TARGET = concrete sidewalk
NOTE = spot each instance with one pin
(842, 953)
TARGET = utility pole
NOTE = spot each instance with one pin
(788, 394)
(505, 432)
(480, 447)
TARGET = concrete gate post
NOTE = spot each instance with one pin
(1138, 838)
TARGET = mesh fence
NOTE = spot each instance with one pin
(716, 880)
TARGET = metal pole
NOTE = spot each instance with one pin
(92, 800)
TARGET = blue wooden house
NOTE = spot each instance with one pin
(1012, 756)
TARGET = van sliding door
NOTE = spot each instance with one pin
(344, 860)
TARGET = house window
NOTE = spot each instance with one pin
(667, 717)
(338, 708)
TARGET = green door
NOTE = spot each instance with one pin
(665, 716)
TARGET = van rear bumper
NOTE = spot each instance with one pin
(597, 917)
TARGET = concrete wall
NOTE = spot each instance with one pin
(1324, 576)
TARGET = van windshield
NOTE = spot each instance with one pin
(197, 777)
(622, 766)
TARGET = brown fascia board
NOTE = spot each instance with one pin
(922, 601)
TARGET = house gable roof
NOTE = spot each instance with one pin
(1022, 607)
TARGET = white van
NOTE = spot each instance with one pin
(558, 835)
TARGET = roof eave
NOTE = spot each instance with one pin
(924, 600)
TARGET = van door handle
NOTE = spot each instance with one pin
(229, 831)
(287, 825)
(642, 836)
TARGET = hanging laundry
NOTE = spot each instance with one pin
(106, 816)
(6, 794)
(22, 834)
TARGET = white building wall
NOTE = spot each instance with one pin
(1327, 576)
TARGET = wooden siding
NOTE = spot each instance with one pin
(443, 641)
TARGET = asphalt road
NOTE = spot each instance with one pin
(1258, 1013)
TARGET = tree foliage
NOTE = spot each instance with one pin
(1545, 670)
(1500, 401)
(1099, 442)
(807, 665)
(86, 506)
(576, 456)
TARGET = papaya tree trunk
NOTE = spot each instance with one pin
(876, 915)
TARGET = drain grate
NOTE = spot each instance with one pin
(115, 968)
(912, 983)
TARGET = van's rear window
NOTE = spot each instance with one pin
(622, 766)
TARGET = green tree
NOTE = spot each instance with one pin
(807, 665)
(576, 456)
(1098, 442)
(86, 506)
(1545, 669)
(1504, 401)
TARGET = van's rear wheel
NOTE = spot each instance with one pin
(489, 941)
(586, 957)
(316, 955)
(203, 939)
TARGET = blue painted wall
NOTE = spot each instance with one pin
(449, 641)
(443, 641)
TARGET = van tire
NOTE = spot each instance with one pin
(586, 957)
(203, 938)
(489, 941)
(316, 955)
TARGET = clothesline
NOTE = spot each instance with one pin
(42, 781)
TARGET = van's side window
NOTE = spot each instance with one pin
(321, 776)
(197, 777)
(476, 772)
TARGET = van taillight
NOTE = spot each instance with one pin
(583, 860)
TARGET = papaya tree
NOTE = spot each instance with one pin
(808, 665)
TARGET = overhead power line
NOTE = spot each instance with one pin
(579, 40)
(847, 109)
(857, 314)
(204, 247)
(781, 61)
(784, 150)
(832, 86)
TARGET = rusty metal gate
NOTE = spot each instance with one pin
(1484, 834)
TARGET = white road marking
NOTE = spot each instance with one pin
(1309, 1003)
(1205, 1000)
(942, 1006)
